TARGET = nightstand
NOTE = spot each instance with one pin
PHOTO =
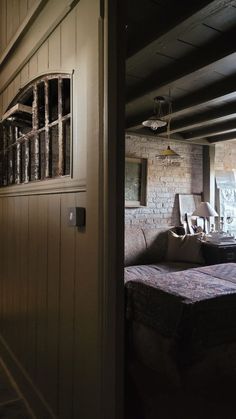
(219, 253)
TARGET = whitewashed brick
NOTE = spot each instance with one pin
(164, 182)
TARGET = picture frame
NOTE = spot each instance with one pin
(135, 182)
(187, 205)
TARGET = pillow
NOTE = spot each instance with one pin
(185, 248)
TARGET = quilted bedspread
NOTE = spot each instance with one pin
(195, 307)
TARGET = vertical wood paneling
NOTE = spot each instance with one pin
(4, 267)
(23, 9)
(41, 257)
(53, 295)
(1, 259)
(32, 286)
(41, 281)
(55, 50)
(1, 21)
(24, 75)
(23, 210)
(5, 100)
(39, 290)
(14, 276)
(1, 105)
(3, 24)
(16, 84)
(15, 15)
(33, 67)
(43, 58)
(10, 331)
(9, 20)
(30, 3)
(66, 340)
(80, 350)
(68, 45)
(14, 272)
(10, 93)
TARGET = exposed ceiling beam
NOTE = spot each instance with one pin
(208, 118)
(145, 132)
(188, 12)
(213, 94)
(218, 129)
(197, 62)
(225, 137)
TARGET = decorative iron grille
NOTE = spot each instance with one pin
(36, 133)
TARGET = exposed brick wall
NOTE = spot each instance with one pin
(225, 155)
(164, 182)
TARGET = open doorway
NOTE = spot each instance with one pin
(180, 99)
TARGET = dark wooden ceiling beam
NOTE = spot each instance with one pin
(224, 137)
(145, 132)
(206, 119)
(188, 11)
(201, 61)
(213, 94)
(219, 129)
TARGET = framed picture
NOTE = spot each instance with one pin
(135, 182)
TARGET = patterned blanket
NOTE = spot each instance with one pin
(195, 307)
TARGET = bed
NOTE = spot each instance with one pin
(182, 325)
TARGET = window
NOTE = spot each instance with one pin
(36, 133)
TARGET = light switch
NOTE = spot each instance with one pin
(76, 217)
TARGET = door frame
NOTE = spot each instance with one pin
(112, 207)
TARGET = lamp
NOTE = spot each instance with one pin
(167, 155)
(205, 210)
(156, 121)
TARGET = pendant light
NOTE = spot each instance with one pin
(168, 155)
(156, 121)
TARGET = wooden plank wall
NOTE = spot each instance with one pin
(38, 282)
(43, 262)
(57, 53)
(13, 13)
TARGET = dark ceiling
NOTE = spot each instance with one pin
(186, 51)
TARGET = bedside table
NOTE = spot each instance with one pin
(219, 253)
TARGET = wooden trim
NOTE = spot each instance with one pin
(16, 108)
(112, 176)
(67, 183)
(49, 186)
(54, 12)
(27, 22)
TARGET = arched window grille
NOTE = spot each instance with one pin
(36, 133)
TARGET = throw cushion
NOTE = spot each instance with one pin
(185, 248)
